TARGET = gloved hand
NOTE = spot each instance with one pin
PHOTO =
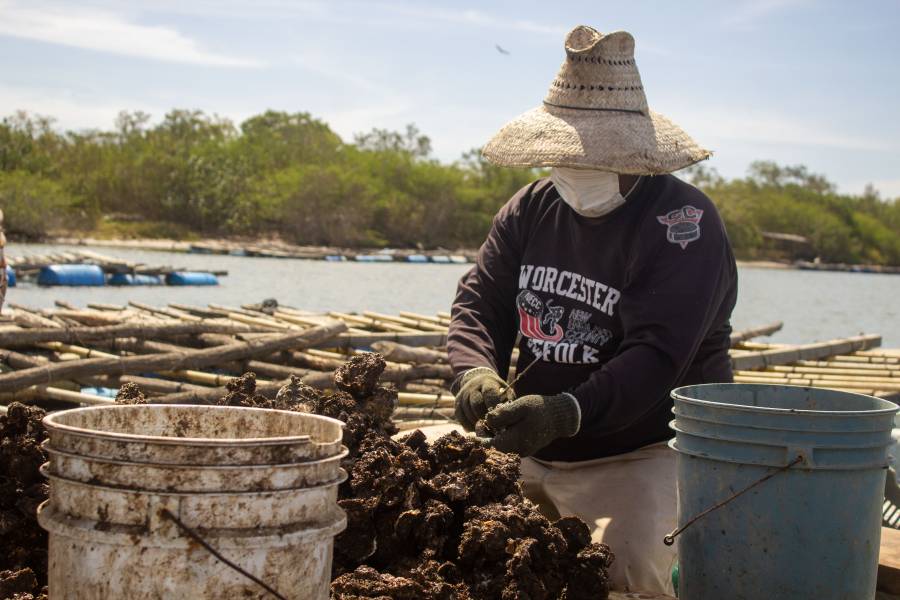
(481, 389)
(529, 423)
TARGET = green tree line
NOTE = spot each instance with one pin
(289, 175)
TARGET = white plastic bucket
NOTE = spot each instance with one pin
(269, 504)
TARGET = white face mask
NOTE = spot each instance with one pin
(590, 193)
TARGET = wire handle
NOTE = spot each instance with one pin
(670, 539)
(197, 538)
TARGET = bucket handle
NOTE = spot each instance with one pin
(166, 513)
(670, 539)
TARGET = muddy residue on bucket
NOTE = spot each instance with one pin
(23, 544)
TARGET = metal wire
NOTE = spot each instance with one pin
(670, 539)
(197, 538)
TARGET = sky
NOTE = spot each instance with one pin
(795, 81)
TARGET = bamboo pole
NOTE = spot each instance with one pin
(758, 377)
(415, 412)
(208, 395)
(190, 359)
(781, 356)
(373, 323)
(416, 325)
(746, 334)
(55, 393)
(30, 337)
(443, 399)
(410, 354)
(27, 318)
(835, 371)
(873, 381)
(165, 312)
(90, 318)
(353, 340)
(105, 306)
(418, 317)
(419, 423)
(851, 366)
(151, 385)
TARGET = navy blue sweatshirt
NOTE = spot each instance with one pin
(618, 310)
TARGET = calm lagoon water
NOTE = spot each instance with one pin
(813, 305)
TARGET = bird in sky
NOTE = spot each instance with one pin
(501, 50)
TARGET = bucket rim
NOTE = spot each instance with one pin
(337, 457)
(51, 424)
(678, 394)
(57, 523)
(712, 435)
(341, 478)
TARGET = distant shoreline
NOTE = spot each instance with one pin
(275, 247)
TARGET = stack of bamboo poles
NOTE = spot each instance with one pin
(182, 353)
(850, 365)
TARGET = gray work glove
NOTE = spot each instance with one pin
(529, 423)
(480, 390)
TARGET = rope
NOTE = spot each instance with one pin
(670, 539)
(197, 538)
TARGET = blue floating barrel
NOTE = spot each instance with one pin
(71, 275)
(374, 258)
(191, 278)
(10, 276)
(440, 258)
(417, 258)
(103, 392)
(335, 258)
(129, 279)
(458, 259)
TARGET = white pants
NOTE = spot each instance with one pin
(629, 503)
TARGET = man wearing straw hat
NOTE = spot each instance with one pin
(618, 281)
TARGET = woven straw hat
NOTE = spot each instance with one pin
(595, 116)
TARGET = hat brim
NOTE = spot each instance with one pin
(617, 141)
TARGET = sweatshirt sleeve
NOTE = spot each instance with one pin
(483, 323)
(669, 303)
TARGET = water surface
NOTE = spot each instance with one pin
(814, 305)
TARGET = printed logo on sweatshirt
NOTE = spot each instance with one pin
(683, 225)
(539, 321)
(567, 284)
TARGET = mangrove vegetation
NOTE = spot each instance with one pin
(291, 176)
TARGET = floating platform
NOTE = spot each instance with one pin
(846, 268)
(87, 268)
(186, 353)
(331, 254)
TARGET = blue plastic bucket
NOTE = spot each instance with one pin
(129, 279)
(71, 275)
(809, 531)
(10, 276)
(191, 278)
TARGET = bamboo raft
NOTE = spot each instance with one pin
(181, 353)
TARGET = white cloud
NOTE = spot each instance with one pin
(888, 188)
(106, 31)
(382, 104)
(750, 12)
(749, 125)
(70, 110)
(471, 17)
